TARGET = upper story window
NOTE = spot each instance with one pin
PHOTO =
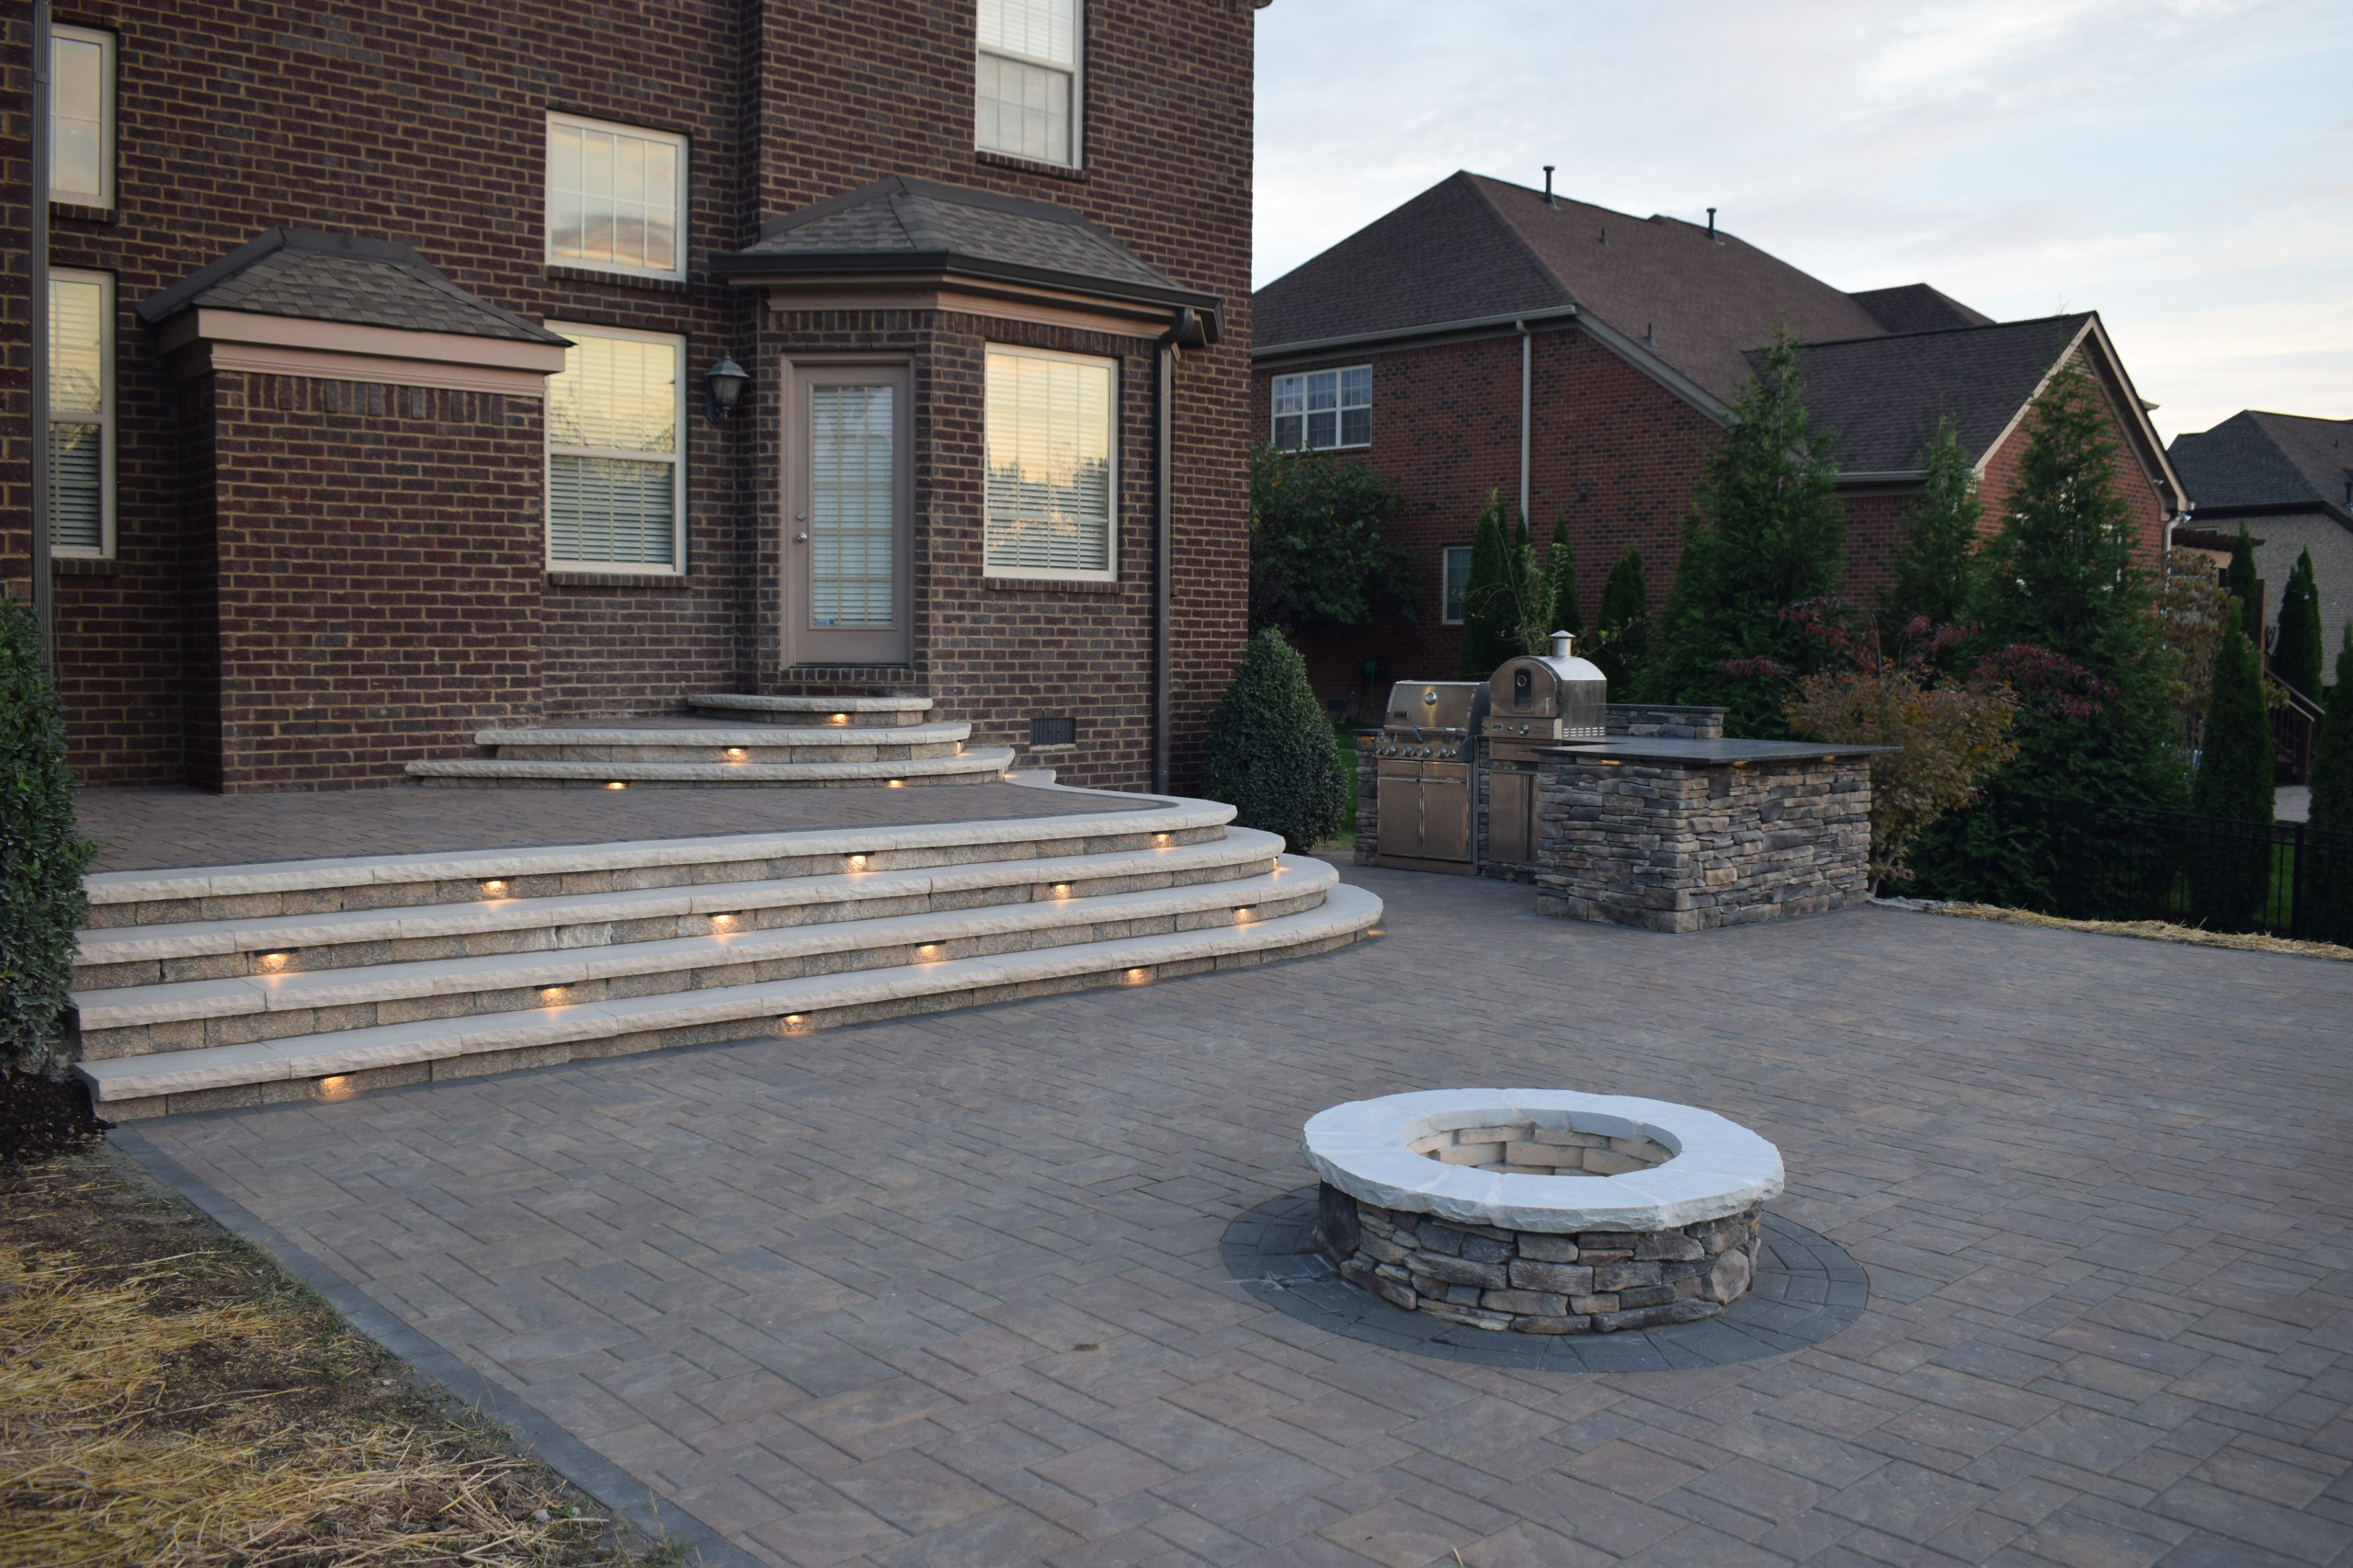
(1323, 409)
(1026, 79)
(616, 197)
(81, 413)
(80, 117)
(617, 475)
(1050, 504)
(1458, 582)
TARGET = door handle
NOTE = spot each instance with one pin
(801, 538)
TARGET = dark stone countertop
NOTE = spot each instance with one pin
(1704, 753)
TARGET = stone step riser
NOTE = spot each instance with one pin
(522, 779)
(103, 1045)
(833, 748)
(712, 872)
(791, 909)
(854, 721)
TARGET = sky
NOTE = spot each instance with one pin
(2185, 168)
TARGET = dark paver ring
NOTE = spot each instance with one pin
(1806, 1289)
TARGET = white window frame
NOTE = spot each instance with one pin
(681, 193)
(1295, 384)
(1444, 575)
(1077, 71)
(676, 565)
(106, 42)
(1110, 571)
(104, 419)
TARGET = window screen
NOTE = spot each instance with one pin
(614, 476)
(613, 197)
(1323, 409)
(1025, 79)
(1049, 465)
(81, 411)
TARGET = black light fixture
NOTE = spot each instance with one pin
(721, 385)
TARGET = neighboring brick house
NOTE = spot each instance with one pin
(381, 336)
(1487, 336)
(2289, 479)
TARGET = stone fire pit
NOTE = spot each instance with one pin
(1541, 1210)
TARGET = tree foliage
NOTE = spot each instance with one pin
(1272, 754)
(2242, 583)
(42, 855)
(2329, 913)
(2228, 878)
(1319, 552)
(2190, 617)
(1507, 602)
(1936, 565)
(1765, 532)
(1561, 576)
(1621, 643)
(2296, 656)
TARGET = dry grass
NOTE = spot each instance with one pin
(2149, 930)
(198, 1409)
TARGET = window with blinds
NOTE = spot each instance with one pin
(81, 413)
(613, 197)
(852, 507)
(616, 475)
(81, 116)
(1026, 88)
(1050, 508)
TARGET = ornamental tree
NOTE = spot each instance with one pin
(1561, 575)
(42, 855)
(1507, 603)
(1272, 754)
(1620, 644)
(1320, 552)
(1936, 565)
(2229, 878)
(2296, 656)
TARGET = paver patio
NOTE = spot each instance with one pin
(947, 1290)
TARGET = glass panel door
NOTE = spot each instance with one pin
(846, 548)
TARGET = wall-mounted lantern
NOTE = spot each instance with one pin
(721, 385)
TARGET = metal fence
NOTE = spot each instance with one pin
(2112, 862)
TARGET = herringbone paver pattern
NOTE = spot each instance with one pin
(946, 1291)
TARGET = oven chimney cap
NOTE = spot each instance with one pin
(1561, 645)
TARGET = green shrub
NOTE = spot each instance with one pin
(1506, 602)
(1622, 638)
(2330, 888)
(1271, 753)
(1560, 573)
(2296, 656)
(41, 857)
(2228, 880)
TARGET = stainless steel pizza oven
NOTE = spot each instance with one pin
(1423, 788)
(1554, 697)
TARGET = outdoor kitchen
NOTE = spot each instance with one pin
(1634, 814)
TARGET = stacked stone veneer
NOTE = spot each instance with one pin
(1678, 846)
(1538, 1283)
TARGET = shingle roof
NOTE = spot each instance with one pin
(2254, 458)
(898, 224)
(339, 277)
(1916, 307)
(1883, 395)
(1473, 247)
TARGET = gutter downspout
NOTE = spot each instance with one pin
(1526, 352)
(1181, 327)
(42, 593)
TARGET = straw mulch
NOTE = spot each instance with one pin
(170, 1400)
(2149, 930)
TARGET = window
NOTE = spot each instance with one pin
(1049, 512)
(853, 505)
(617, 480)
(1458, 579)
(1026, 85)
(1323, 409)
(81, 413)
(80, 117)
(613, 197)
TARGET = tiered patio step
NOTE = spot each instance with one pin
(248, 985)
(735, 707)
(700, 754)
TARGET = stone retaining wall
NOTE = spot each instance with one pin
(1536, 1282)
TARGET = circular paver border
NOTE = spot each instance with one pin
(1806, 1288)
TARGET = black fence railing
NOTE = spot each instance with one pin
(2110, 862)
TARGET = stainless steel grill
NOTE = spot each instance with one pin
(1423, 788)
(1534, 702)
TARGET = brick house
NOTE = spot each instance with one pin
(1488, 337)
(383, 342)
(2290, 480)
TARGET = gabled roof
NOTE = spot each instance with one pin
(339, 277)
(1884, 395)
(1473, 247)
(2274, 462)
(899, 224)
(1916, 307)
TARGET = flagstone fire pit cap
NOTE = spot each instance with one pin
(1715, 1167)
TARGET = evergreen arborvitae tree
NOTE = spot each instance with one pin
(2228, 876)
(2328, 882)
(2297, 654)
(1560, 574)
(1934, 565)
(1487, 611)
(1272, 756)
(1765, 532)
(1624, 627)
(2063, 575)
(2240, 581)
(41, 856)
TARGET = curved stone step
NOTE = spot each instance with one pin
(146, 1018)
(725, 745)
(970, 768)
(436, 932)
(852, 711)
(219, 1076)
